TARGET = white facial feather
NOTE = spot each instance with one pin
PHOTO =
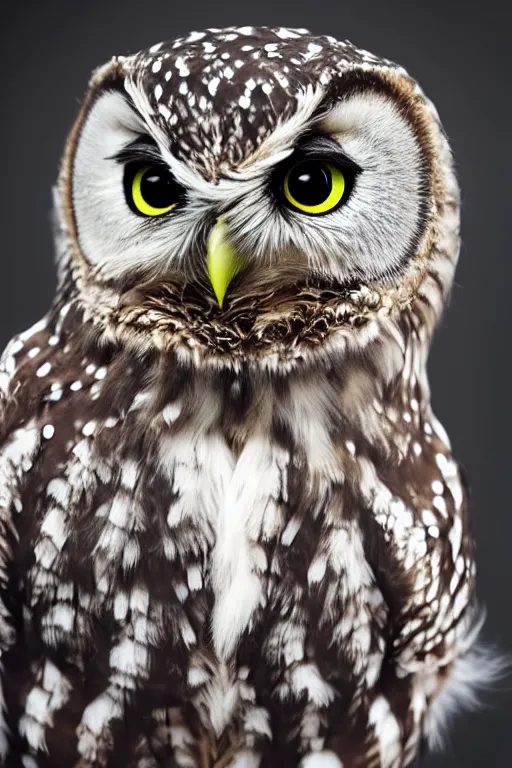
(112, 237)
(378, 225)
(369, 235)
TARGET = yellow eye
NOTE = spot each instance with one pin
(315, 187)
(152, 191)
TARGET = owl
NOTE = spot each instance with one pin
(232, 530)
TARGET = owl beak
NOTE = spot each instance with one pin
(222, 260)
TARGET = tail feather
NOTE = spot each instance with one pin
(474, 672)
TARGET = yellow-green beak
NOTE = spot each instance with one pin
(223, 261)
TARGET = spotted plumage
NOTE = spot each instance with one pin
(222, 94)
(232, 530)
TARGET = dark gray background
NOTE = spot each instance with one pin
(460, 53)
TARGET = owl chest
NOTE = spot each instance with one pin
(195, 542)
(194, 573)
(199, 562)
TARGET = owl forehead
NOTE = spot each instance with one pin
(219, 94)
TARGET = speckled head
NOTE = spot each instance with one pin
(229, 115)
(220, 93)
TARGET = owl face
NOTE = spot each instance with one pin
(245, 161)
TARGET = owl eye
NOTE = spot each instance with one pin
(152, 190)
(315, 187)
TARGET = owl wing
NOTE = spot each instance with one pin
(17, 447)
(436, 620)
(431, 576)
(42, 418)
(93, 578)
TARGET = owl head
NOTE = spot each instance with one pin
(256, 194)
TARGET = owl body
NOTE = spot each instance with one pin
(233, 532)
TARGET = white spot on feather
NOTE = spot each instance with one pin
(48, 431)
(194, 578)
(286, 34)
(28, 762)
(14, 347)
(326, 759)
(317, 569)
(387, 731)
(219, 698)
(213, 85)
(98, 714)
(351, 447)
(54, 526)
(88, 429)
(36, 328)
(48, 696)
(18, 453)
(307, 677)
(44, 370)
(101, 373)
(245, 759)
(290, 531)
(171, 412)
